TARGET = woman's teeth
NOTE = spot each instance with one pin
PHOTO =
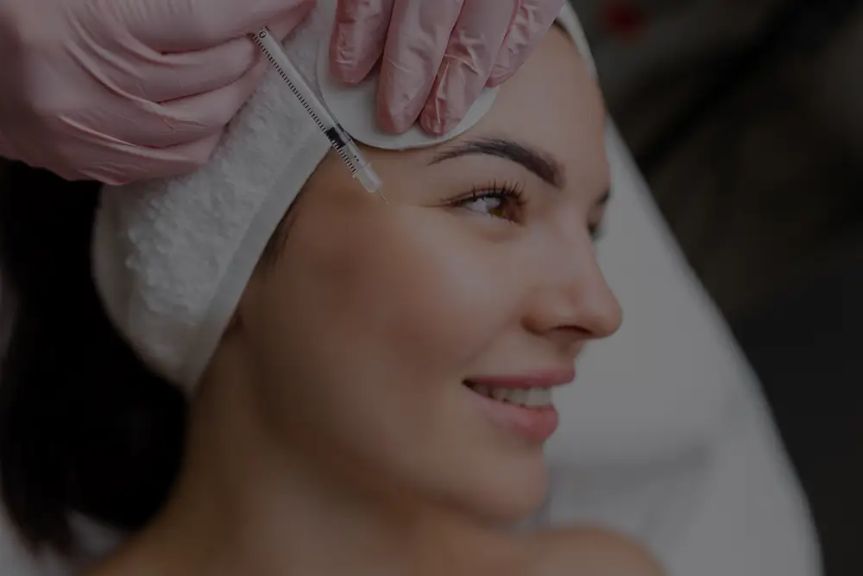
(530, 398)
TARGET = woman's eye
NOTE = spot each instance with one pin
(486, 204)
(499, 203)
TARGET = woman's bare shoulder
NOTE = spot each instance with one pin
(588, 552)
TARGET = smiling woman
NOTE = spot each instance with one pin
(379, 398)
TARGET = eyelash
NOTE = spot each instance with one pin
(512, 192)
(506, 192)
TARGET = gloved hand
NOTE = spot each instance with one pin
(121, 90)
(438, 55)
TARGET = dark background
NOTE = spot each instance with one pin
(746, 117)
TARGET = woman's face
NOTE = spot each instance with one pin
(364, 333)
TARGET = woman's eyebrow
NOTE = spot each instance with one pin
(537, 162)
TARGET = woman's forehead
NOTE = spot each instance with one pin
(552, 105)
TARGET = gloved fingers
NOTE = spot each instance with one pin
(216, 109)
(121, 163)
(199, 116)
(188, 25)
(185, 74)
(473, 49)
(160, 140)
(359, 37)
(532, 20)
(167, 124)
(412, 58)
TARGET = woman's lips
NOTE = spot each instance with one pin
(540, 379)
(536, 424)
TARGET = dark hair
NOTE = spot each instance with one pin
(85, 427)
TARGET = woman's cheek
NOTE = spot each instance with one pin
(443, 297)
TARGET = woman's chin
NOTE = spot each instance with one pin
(511, 497)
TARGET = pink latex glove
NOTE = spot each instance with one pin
(122, 90)
(438, 55)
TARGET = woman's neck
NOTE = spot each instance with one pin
(242, 506)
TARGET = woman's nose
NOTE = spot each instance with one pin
(574, 303)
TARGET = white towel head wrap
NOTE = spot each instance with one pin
(172, 257)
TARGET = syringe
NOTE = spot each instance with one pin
(339, 139)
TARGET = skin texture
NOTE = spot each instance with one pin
(332, 430)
